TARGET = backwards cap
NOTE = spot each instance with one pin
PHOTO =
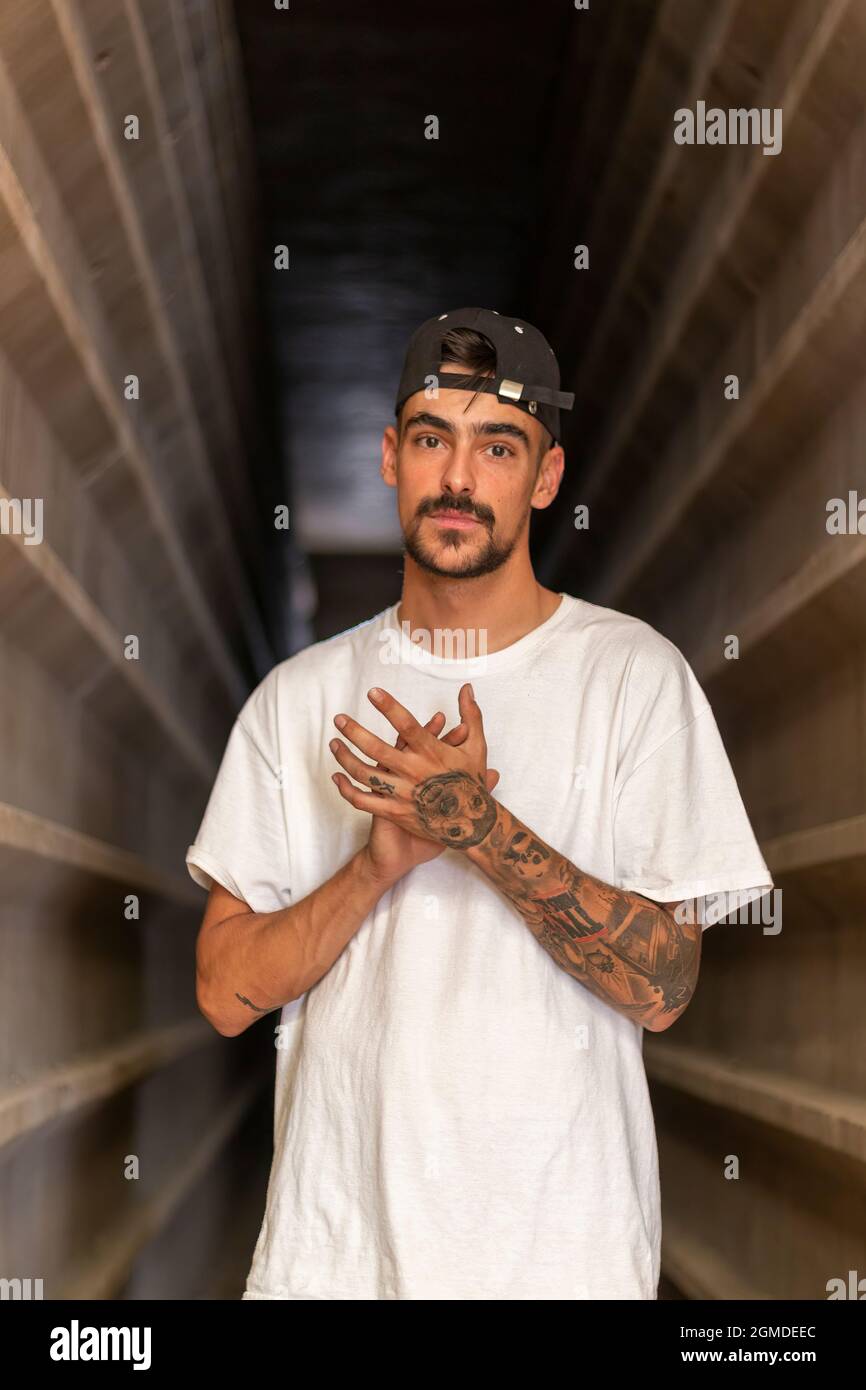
(527, 372)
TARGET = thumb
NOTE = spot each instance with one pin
(470, 715)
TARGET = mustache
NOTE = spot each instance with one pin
(456, 504)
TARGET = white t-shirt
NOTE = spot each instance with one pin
(455, 1116)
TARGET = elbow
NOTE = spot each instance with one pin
(211, 1004)
(211, 1012)
(661, 1022)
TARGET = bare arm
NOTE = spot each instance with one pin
(250, 963)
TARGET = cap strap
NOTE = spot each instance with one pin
(506, 388)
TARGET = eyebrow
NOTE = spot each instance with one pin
(485, 427)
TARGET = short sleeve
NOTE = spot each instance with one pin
(241, 842)
(680, 826)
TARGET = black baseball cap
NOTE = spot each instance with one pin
(527, 372)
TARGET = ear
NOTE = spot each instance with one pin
(549, 478)
(390, 448)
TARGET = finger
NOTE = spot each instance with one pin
(364, 801)
(377, 779)
(434, 725)
(470, 714)
(455, 736)
(376, 748)
(405, 723)
(492, 777)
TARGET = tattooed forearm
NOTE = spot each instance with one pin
(625, 949)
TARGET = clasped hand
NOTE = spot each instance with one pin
(433, 788)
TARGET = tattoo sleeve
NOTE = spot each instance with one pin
(627, 950)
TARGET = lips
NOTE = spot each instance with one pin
(456, 518)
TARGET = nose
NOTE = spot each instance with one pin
(458, 474)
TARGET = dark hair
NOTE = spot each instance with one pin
(466, 347)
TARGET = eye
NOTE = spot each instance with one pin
(508, 452)
(422, 437)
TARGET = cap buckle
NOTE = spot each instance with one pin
(512, 389)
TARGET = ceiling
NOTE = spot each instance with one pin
(385, 227)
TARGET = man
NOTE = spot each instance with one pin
(465, 978)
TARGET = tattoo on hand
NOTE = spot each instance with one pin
(380, 788)
(455, 809)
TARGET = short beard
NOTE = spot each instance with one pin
(490, 558)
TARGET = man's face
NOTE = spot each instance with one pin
(466, 473)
